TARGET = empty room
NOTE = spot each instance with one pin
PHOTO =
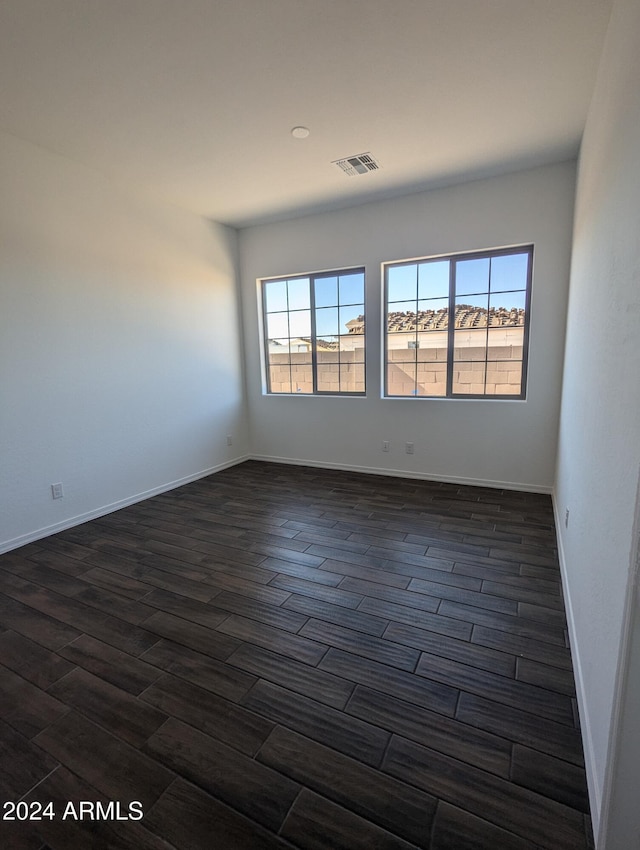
(319, 424)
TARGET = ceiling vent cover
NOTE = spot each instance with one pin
(362, 163)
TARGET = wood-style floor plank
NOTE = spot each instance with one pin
(26, 707)
(251, 788)
(388, 803)
(190, 818)
(208, 712)
(315, 823)
(29, 659)
(23, 763)
(449, 736)
(503, 803)
(319, 722)
(112, 665)
(63, 788)
(115, 768)
(114, 709)
(294, 675)
(455, 829)
(287, 657)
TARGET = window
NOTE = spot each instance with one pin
(314, 333)
(482, 353)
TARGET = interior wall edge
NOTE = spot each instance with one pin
(71, 522)
(404, 473)
(614, 833)
(593, 786)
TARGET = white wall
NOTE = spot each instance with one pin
(120, 348)
(483, 442)
(599, 442)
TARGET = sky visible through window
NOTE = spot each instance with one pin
(484, 282)
(338, 300)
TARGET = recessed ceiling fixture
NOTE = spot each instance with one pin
(361, 163)
(300, 132)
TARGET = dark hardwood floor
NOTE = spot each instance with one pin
(278, 656)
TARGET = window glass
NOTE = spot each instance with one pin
(326, 291)
(480, 351)
(401, 283)
(315, 333)
(433, 279)
(352, 288)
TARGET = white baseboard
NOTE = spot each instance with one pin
(593, 785)
(404, 473)
(24, 539)
(38, 534)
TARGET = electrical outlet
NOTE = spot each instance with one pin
(56, 491)
(229, 440)
(386, 445)
(408, 447)
(566, 518)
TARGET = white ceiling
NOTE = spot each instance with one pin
(192, 101)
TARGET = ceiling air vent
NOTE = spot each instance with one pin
(363, 163)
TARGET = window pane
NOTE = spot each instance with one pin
(352, 377)
(433, 279)
(352, 348)
(504, 378)
(352, 288)
(401, 347)
(276, 295)
(327, 321)
(509, 272)
(300, 323)
(507, 308)
(355, 332)
(296, 346)
(469, 378)
(348, 344)
(328, 378)
(352, 319)
(400, 312)
(401, 321)
(279, 347)
(277, 325)
(301, 378)
(279, 361)
(327, 349)
(472, 276)
(304, 351)
(479, 302)
(433, 314)
(432, 346)
(326, 291)
(280, 379)
(471, 312)
(505, 343)
(470, 344)
(401, 379)
(432, 379)
(402, 282)
(299, 294)
(485, 335)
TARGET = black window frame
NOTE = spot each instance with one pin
(312, 277)
(453, 259)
